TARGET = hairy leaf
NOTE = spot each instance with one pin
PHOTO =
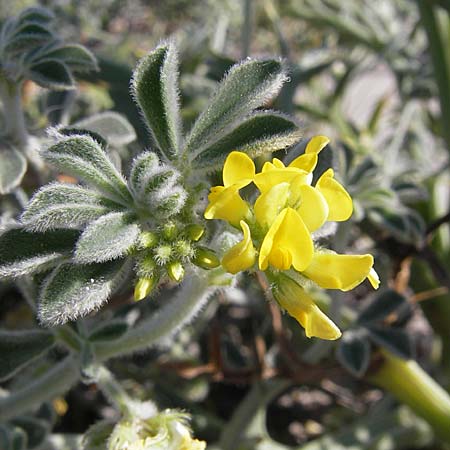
(36, 14)
(12, 168)
(353, 352)
(63, 205)
(155, 88)
(75, 56)
(109, 237)
(19, 348)
(35, 429)
(74, 290)
(112, 126)
(247, 86)
(145, 166)
(82, 157)
(23, 252)
(51, 74)
(110, 331)
(382, 306)
(97, 435)
(395, 340)
(262, 132)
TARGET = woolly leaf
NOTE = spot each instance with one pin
(73, 290)
(263, 132)
(144, 167)
(19, 439)
(82, 157)
(51, 74)
(19, 348)
(23, 252)
(109, 237)
(155, 87)
(75, 56)
(353, 352)
(395, 340)
(109, 331)
(247, 86)
(35, 429)
(112, 126)
(382, 306)
(36, 14)
(63, 205)
(12, 168)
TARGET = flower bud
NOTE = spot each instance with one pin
(205, 258)
(175, 271)
(195, 232)
(143, 288)
(170, 230)
(163, 254)
(148, 239)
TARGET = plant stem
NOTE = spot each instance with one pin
(112, 389)
(407, 381)
(56, 381)
(247, 27)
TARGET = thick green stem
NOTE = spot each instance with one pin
(407, 381)
(56, 381)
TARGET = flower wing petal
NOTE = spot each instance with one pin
(316, 144)
(241, 256)
(270, 204)
(313, 207)
(238, 168)
(334, 271)
(266, 180)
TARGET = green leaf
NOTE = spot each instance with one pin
(23, 252)
(36, 14)
(262, 132)
(110, 331)
(112, 126)
(247, 86)
(19, 439)
(13, 166)
(395, 340)
(97, 435)
(155, 88)
(35, 429)
(75, 56)
(83, 157)
(109, 237)
(51, 74)
(20, 348)
(63, 205)
(353, 352)
(72, 291)
(144, 167)
(382, 306)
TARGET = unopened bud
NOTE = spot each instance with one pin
(146, 266)
(170, 231)
(184, 249)
(175, 271)
(195, 232)
(143, 288)
(163, 254)
(205, 258)
(148, 239)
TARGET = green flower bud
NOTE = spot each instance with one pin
(195, 232)
(148, 239)
(163, 254)
(170, 231)
(146, 267)
(205, 258)
(143, 288)
(184, 249)
(175, 271)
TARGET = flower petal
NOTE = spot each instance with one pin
(238, 168)
(313, 207)
(287, 243)
(266, 180)
(316, 144)
(339, 201)
(334, 271)
(269, 205)
(373, 278)
(305, 162)
(241, 256)
(227, 204)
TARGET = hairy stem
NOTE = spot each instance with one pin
(56, 381)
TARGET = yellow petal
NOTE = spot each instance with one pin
(316, 144)
(287, 243)
(237, 168)
(305, 162)
(269, 205)
(296, 301)
(266, 180)
(333, 271)
(373, 278)
(227, 204)
(339, 201)
(242, 256)
(278, 164)
(313, 207)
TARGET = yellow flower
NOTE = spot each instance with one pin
(224, 201)
(243, 255)
(295, 300)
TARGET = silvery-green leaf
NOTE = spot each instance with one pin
(155, 88)
(260, 133)
(13, 166)
(64, 205)
(384, 304)
(74, 290)
(247, 86)
(144, 167)
(83, 157)
(36, 14)
(110, 331)
(51, 74)
(112, 126)
(109, 237)
(75, 56)
(353, 352)
(35, 429)
(19, 348)
(23, 252)
(395, 340)
(97, 435)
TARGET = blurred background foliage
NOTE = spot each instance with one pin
(372, 75)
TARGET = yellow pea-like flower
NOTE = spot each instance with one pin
(242, 256)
